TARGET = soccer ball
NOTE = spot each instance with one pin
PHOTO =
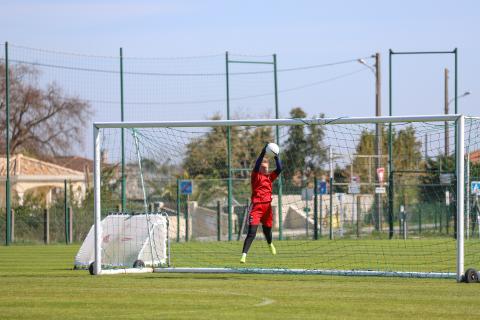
(272, 149)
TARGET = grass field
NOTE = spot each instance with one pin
(37, 283)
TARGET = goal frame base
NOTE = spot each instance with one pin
(325, 272)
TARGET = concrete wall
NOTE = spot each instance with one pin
(202, 224)
(344, 209)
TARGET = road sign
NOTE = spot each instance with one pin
(380, 190)
(475, 187)
(446, 178)
(354, 188)
(380, 174)
(307, 193)
(322, 187)
(186, 186)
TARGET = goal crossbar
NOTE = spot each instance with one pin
(275, 122)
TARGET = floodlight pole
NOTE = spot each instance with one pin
(331, 181)
(124, 183)
(390, 147)
(390, 141)
(229, 150)
(277, 139)
(8, 228)
(378, 139)
(447, 142)
(277, 134)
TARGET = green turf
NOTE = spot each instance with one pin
(37, 283)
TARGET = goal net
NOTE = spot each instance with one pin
(386, 196)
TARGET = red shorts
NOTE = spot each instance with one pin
(261, 212)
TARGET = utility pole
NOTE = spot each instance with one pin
(376, 70)
(447, 151)
(378, 139)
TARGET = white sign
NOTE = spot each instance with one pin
(446, 178)
(354, 188)
(447, 198)
(380, 174)
(380, 190)
(475, 187)
(307, 194)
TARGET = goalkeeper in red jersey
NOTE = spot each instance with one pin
(261, 208)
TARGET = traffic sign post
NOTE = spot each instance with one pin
(322, 187)
(186, 187)
(380, 190)
(354, 185)
(307, 195)
(475, 187)
(380, 174)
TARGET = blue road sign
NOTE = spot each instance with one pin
(475, 187)
(322, 187)
(186, 186)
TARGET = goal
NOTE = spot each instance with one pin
(384, 196)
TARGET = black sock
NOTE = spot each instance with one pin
(267, 232)
(252, 232)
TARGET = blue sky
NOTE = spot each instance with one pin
(299, 32)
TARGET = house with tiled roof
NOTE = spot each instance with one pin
(30, 175)
(475, 157)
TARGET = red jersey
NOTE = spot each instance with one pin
(262, 186)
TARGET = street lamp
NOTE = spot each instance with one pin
(466, 93)
(362, 61)
(378, 132)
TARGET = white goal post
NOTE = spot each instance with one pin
(460, 182)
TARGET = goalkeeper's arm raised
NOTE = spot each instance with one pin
(278, 165)
(258, 163)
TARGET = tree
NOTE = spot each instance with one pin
(304, 152)
(434, 167)
(363, 161)
(206, 154)
(407, 161)
(43, 121)
(316, 152)
(295, 148)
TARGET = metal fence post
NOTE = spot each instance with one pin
(65, 206)
(178, 210)
(187, 225)
(315, 209)
(46, 226)
(70, 225)
(419, 222)
(8, 212)
(219, 226)
(12, 225)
